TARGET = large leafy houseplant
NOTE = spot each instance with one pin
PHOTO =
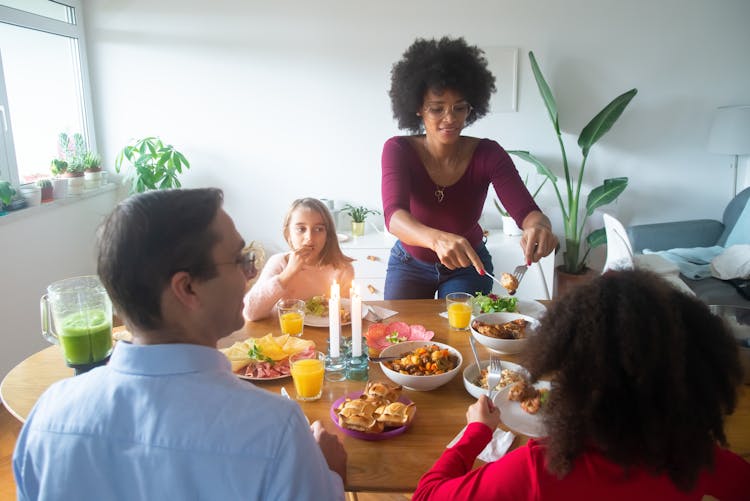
(574, 219)
(155, 164)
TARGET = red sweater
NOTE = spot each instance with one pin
(407, 185)
(521, 475)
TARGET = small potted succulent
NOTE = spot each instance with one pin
(69, 162)
(358, 215)
(74, 173)
(46, 186)
(92, 170)
(59, 183)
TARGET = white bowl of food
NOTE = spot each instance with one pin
(475, 380)
(411, 370)
(503, 332)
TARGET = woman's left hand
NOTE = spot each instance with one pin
(537, 240)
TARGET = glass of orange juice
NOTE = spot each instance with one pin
(291, 316)
(459, 305)
(307, 373)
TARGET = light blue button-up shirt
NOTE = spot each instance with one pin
(168, 421)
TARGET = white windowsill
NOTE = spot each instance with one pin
(18, 215)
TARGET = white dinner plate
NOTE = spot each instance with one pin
(518, 419)
(318, 321)
(471, 374)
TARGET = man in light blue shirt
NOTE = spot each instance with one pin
(166, 418)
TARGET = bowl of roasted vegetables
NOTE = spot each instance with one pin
(503, 332)
(422, 365)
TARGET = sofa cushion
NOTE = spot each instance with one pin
(715, 291)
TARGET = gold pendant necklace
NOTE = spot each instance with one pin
(451, 164)
(439, 192)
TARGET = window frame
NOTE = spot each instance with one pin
(73, 29)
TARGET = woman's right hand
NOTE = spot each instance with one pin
(483, 411)
(454, 251)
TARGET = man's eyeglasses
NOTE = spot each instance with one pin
(246, 261)
(438, 111)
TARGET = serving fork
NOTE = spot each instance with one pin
(518, 273)
(494, 372)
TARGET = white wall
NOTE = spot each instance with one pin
(276, 100)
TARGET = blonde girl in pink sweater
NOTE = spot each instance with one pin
(314, 262)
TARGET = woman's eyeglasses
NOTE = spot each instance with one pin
(438, 111)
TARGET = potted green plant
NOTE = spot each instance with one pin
(573, 216)
(46, 186)
(509, 224)
(155, 166)
(358, 215)
(74, 173)
(69, 164)
(6, 193)
(92, 170)
(59, 184)
(58, 167)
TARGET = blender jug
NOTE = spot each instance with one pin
(77, 315)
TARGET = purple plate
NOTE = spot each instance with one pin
(360, 434)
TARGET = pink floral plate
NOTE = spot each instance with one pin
(381, 336)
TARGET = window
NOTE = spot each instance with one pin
(44, 88)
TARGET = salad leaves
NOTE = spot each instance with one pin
(317, 305)
(493, 303)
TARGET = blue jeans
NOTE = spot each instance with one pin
(410, 278)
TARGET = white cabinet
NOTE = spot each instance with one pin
(371, 253)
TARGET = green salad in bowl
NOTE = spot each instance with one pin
(493, 303)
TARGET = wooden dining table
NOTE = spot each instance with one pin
(394, 464)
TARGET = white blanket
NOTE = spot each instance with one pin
(693, 262)
(734, 262)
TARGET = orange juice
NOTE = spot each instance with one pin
(307, 374)
(291, 323)
(459, 315)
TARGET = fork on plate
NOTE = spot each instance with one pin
(494, 371)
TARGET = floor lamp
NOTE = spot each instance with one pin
(730, 133)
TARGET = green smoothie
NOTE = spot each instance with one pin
(86, 336)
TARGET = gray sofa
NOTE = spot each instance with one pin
(696, 233)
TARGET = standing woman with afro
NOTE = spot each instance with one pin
(435, 182)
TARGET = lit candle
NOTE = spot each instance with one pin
(334, 321)
(356, 322)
